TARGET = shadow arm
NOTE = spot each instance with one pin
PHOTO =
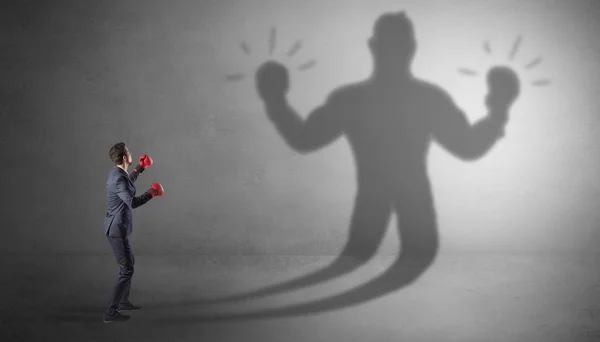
(321, 127)
(466, 141)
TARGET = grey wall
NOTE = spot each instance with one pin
(79, 76)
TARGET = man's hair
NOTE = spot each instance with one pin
(117, 152)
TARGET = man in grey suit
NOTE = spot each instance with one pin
(118, 223)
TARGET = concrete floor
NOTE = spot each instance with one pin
(471, 297)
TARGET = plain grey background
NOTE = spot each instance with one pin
(171, 79)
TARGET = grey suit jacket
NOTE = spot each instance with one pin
(120, 191)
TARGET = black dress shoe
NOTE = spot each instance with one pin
(116, 317)
(129, 306)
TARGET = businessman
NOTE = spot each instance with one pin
(118, 223)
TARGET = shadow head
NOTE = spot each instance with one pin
(393, 44)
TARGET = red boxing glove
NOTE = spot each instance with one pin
(145, 160)
(156, 189)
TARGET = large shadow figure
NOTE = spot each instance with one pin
(390, 121)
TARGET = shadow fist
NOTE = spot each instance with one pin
(272, 82)
(504, 88)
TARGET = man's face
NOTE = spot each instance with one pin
(127, 157)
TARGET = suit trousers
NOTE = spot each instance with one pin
(125, 259)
